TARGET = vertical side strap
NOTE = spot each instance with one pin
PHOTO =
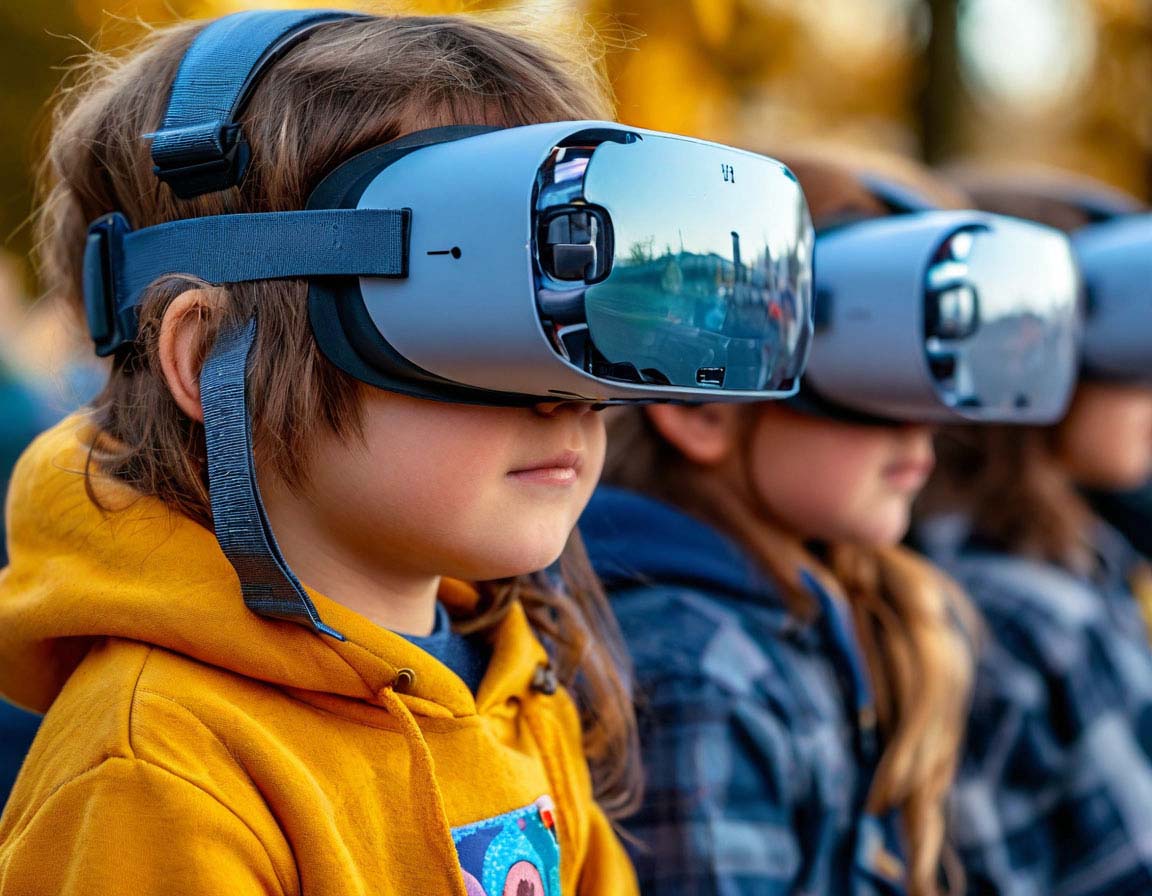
(241, 523)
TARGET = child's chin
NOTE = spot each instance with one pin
(887, 528)
(530, 559)
(1131, 475)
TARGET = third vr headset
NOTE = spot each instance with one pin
(573, 260)
(1116, 259)
(1112, 237)
(942, 316)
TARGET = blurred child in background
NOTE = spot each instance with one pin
(802, 679)
(1054, 792)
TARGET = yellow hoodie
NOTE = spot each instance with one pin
(193, 747)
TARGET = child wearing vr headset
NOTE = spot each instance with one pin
(279, 589)
(1054, 792)
(803, 679)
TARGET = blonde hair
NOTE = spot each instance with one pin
(353, 84)
(912, 621)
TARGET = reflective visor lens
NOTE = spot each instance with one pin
(1001, 318)
(693, 262)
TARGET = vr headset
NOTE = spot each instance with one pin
(1116, 259)
(1114, 250)
(942, 316)
(577, 260)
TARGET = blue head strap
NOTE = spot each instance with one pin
(267, 582)
(200, 149)
(901, 200)
(120, 263)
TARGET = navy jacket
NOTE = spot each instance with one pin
(755, 728)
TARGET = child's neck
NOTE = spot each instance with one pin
(399, 603)
(367, 581)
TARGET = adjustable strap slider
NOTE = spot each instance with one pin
(199, 147)
(103, 275)
(200, 158)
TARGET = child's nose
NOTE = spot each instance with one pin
(555, 408)
(921, 430)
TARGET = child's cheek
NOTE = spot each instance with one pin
(596, 438)
(888, 517)
(859, 504)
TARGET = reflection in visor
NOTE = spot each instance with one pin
(709, 282)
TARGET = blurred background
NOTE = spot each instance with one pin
(1062, 82)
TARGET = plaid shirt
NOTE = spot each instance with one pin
(1054, 796)
(756, 765)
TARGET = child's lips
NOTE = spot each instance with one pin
(560, 469)
(909, 475)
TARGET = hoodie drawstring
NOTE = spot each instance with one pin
(442, 848)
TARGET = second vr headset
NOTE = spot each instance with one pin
(942, 316)
(577, 260)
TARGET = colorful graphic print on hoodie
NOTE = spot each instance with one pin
(513, 855)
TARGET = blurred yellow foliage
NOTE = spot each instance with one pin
(759, 73)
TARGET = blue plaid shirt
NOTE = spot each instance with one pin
(757, 764)
(1054, 796)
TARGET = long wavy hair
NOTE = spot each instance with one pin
(913, 623)
(352, 85)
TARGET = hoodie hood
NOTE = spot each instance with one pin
(135, 570)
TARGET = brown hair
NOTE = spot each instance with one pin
(353, 84)
(1007, 480)
(1009, 485)
(911, 620)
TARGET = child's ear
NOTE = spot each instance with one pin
(181, 345)
(706, 434)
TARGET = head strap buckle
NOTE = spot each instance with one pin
(200, 159)
(109, 326)
(199, 148)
